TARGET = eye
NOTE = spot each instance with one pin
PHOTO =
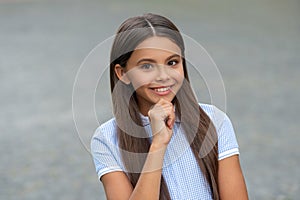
(172, 62)
(146, 66)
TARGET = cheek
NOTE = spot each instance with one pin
(178, 75)
(140, 79)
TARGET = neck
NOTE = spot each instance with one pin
(144, 109)
(144, 106)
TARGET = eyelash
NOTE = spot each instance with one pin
(176, 62)
(147, 66)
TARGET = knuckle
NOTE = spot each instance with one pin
(150, 112)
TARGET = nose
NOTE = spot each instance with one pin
(162, 74)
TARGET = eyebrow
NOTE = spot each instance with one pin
(152, 60)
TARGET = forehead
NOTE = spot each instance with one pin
(161, 44)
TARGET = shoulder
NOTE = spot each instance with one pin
(104, 149)
(227, 142)
(106, 131)
(217, 116)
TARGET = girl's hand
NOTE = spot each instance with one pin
(162, 118)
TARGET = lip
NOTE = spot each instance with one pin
(162, 90)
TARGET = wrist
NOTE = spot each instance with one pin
(158, 147)
(155, 158)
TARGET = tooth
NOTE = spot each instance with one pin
(162, 89)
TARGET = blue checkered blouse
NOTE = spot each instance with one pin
(180, 169)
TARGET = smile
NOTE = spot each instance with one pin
(162, 90)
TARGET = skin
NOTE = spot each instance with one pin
(161, 67)
(156, 62)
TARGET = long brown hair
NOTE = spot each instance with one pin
(197, 125)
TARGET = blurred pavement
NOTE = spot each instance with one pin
(255, 44)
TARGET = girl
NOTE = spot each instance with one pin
(162, 144)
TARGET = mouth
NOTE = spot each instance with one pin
(162, 90)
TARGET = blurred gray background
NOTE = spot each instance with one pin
(255, 44)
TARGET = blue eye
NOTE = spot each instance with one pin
(146, 66)
(172, 62)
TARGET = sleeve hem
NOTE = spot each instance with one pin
(108, 170)
(228, 153)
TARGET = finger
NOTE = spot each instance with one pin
(162, 101)
(171, 118)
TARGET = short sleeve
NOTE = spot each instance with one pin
(105, 153)
(227, 143)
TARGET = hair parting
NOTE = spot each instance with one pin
(150, 25)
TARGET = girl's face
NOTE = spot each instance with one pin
(155, 70)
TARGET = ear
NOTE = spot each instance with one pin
(121, 74)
